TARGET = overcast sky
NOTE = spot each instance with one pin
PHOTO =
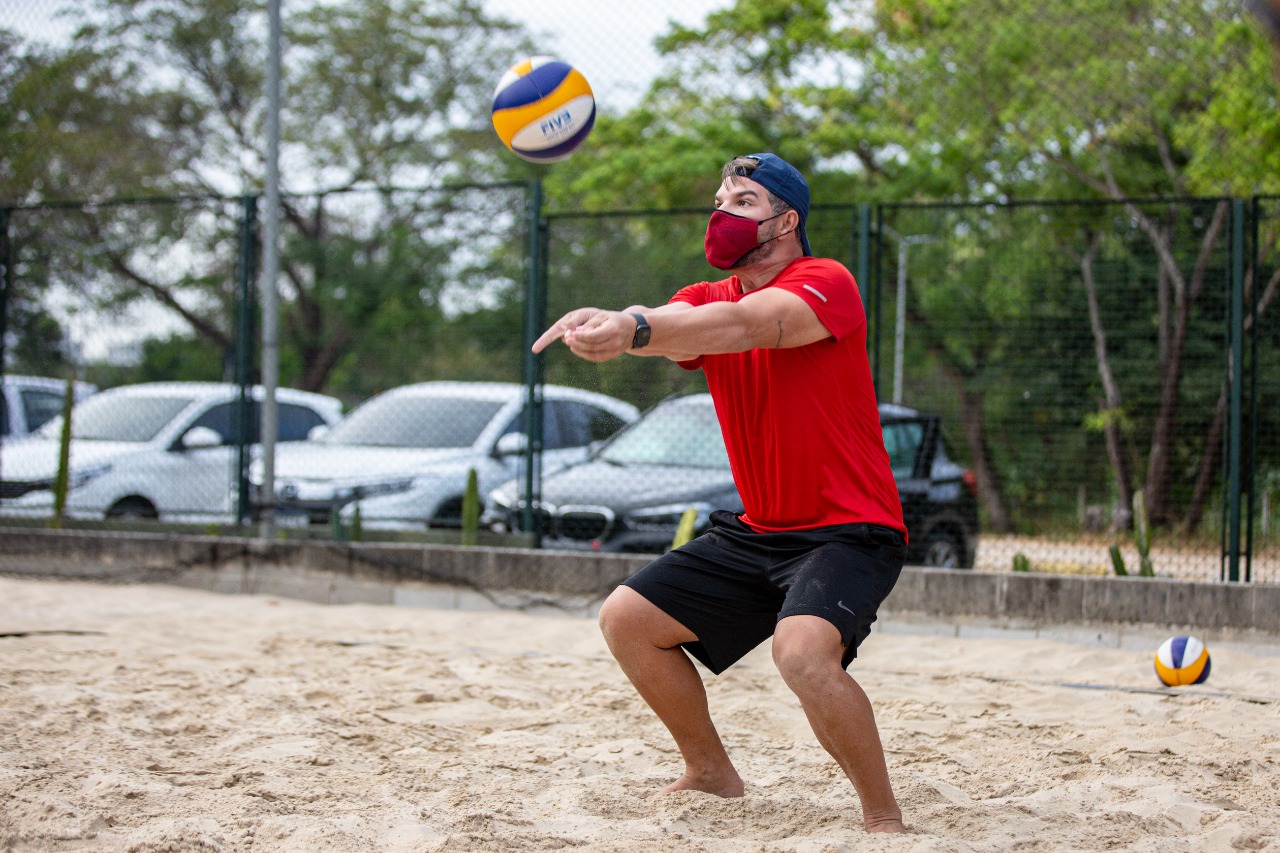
(609, 41)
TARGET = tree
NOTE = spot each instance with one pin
(376, 93)
(989, 99)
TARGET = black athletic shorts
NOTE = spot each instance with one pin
(731, 585)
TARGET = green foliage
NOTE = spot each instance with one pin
(35, 338)
(181, 355)
(73, 124)
(991, 98)
(1021, 563)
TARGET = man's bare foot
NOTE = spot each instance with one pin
(723, 785)
(885, 824)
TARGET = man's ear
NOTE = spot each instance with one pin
(792, 222)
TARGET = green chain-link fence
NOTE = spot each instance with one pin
(1065, 359)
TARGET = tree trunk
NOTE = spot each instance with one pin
(1160, 458)
(1111, 408)
(1210, 460)
(990, 491)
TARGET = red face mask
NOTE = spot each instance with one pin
(730, 237)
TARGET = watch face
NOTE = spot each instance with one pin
(641, 337)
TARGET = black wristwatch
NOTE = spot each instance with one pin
(641, 337)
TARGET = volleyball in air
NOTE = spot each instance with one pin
(543, 109)
(1182, 660)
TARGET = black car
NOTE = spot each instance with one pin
(632, 493)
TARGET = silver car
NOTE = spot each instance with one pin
(28, 402)
(161, 450)
(401, 459)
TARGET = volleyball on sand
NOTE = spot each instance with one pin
(543, 109)
(1182, 660)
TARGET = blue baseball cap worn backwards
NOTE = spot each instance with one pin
(785, 181)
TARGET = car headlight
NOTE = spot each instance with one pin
(310, 491)
(82, 476)
(374, 490)
(667, 516)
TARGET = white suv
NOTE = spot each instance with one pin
(402, 457)
(27, 402)
(163, 450)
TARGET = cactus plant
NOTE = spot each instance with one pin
(470, 509)
(684, 532)
(1142, 536)
(1117, 561)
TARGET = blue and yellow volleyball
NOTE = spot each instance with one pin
(543, 109)
(1182, 660)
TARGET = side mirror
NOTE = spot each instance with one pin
(511, 444)
(198, 438)
(317, 431)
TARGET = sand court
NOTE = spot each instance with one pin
(150, 718)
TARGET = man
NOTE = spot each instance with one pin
(821, 540)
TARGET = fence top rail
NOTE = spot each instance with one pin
(674, 211)
(1066, 202)
(72, 204)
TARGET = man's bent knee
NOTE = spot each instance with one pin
(617, 612)
(626, 615)
(806, 647)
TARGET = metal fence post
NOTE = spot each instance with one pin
(862, 253)
(244, 347)
(1235, 384)
(1251, 463)
(6, 282)
(534, 322)
(874, 313)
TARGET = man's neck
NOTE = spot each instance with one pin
(758, 275)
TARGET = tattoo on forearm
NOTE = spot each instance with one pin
(779, 343)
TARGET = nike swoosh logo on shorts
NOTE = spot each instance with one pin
(840, 604)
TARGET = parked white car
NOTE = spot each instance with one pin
(402, 457)
(163, 450)
(28, 402)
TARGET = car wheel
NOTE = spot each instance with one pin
(944, 550)
(448, 514)
(133, 509)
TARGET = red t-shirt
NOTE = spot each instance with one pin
(801, 423)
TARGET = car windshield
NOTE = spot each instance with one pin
(680, 433)
(405, 421)
(120, 417)
(902, 440)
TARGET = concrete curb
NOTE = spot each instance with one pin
(492, 578)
